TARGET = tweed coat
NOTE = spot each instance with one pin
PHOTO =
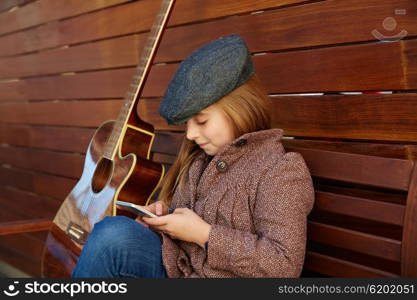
(256, 197)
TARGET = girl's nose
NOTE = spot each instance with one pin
(192, 132)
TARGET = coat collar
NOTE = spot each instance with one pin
(241, 143)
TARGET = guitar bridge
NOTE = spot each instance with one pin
(77, 233)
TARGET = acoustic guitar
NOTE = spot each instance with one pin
(117, 167)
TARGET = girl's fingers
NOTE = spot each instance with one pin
(138, 219)
(162, 220)
(158, 227)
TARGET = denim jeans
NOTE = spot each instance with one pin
(121, 247)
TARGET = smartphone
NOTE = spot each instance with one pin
(135, 209)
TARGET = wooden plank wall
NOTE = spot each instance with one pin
(65, 67)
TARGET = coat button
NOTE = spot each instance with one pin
(221, 166)
(241, 142)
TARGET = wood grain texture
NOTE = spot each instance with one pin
(392, 150)
(378, 211)
(392, 66)
(125, 19)
(367, 117)
(357, 241)
(66, 113)
(24, 205)
(76, 139)
(56, 163)
(361, 169)
(65, 139)
(53, 186)
(43, 11)
(334, 267)
(317, 66)
(330, 24)
(25, 226)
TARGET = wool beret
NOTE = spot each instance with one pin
(205, 76)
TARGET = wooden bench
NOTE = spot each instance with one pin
(66, 71)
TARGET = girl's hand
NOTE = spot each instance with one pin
(158, 208)
(183, 224)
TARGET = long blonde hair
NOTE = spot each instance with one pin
(248, 108)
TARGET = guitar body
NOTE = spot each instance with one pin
(128, 176)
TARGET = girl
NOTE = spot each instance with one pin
(234, 203)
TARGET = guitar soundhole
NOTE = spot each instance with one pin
(102, 174)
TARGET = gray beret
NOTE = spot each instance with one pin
(209, 73)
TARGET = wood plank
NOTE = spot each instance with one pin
(90, 85)
(90, 56)
(357, 224)
(43, 11)
(126, 19)
(334, 267)
(326, 69)
(163, 158)
(360, 191)
(409, 250)
(8, 215)
(363, 169)
(358, 207)
(66, 139)
(319, 66)
(400, 151)
(334, 116)
(29, 204)
(74, 139)
(278, 71)
(25, 226)
(369, 117)
(38, 183)
(54, 163)
(355, 257)
(167, 142)
(68, 113)
(354, 240)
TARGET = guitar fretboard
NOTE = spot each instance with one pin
(136, 86)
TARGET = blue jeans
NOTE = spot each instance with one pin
(121, 247)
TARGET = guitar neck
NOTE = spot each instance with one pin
(134, 91)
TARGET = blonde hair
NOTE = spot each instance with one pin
(247, 107)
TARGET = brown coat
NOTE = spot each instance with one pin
(257, 198)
